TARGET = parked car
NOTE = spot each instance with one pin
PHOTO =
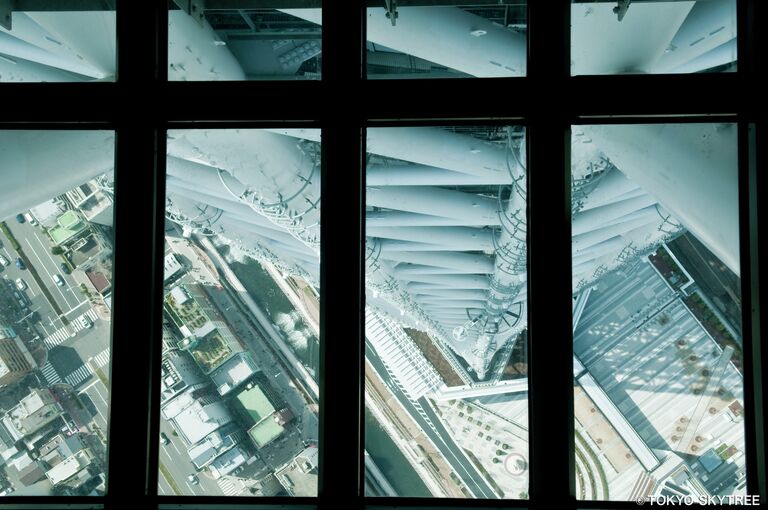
(30, 219)
(58, 279)
(85, 322)
(193, 479)
(20, 264)
(164, 438)
(20, 284)
(65, 268)
(4, 261)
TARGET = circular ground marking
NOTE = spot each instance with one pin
(515, 464)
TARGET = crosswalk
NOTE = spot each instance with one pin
(61, 334)
(79, 376)
(227, 486)
(50, 374)
(101, 358)
(56, 338)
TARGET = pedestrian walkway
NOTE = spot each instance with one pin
(101, 358)
(227, 487)
(79, 376)
(61, 334)
(50, 374)
(57, 337)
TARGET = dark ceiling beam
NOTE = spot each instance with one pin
(218, 5)
(62, 5)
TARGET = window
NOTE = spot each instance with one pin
(73, 45)
(445, 319)
(658, 357)
(56, 259)
(241, 313)
(542, 111)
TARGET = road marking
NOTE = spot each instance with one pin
(99, 393)
(76, 307)
(57, 337)
(227, 487)
(50, 374)
(90, 385)
(79, 375)
(101, 358)
(56, 265)
(46, 271)
(62, 334)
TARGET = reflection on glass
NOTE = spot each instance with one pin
(653, 37)
(659, 391)
(58, 46)
(245, 43)
(55, 298)
(478, 39)
(445, 319)
(239, 399)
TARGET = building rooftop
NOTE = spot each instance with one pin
(656, 366)
(213, 445)
(266, 431)
(228, 462)
(69, 225)
(233, 372)
(178, 372)
(171, 266)
(32, 413)
(255, 403)
(196, 418)
(70, 467)
(99, 281)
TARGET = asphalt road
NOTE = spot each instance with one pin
(461, 465)
(176, 461)
(37, 247)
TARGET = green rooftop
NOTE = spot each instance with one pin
(265, 432)
(69, 225)
(256, 404)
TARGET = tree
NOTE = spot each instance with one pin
(57, 250)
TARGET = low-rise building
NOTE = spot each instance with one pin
(72, 471)
(15, 359)
(234, 372)
(32, 413)
(179, 372)
(195, 416)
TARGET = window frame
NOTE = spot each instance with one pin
(137, 288)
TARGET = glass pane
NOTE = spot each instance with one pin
(670, 37)
(250, 42)
(55, 311)
(447, 39)
(239, 398)
(58, 45)
(659, 391)
(445, 318)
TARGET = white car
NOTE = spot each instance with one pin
(193, 479)
(20, 284)
(58, 279)
(4, 261)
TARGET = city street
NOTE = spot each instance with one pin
(175, 462)
(37, 248)
(433, 428)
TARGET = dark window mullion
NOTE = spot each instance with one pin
(549, 261)
(751, 187)
(341, 279)
(137, 284)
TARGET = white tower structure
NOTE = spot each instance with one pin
(446, 219)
